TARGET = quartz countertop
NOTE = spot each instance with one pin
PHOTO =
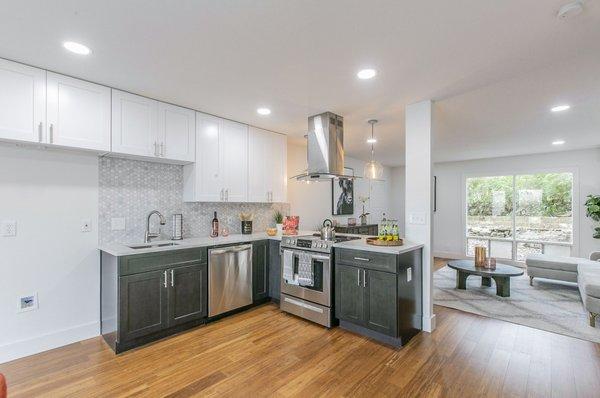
(361, 244)
(121, 249)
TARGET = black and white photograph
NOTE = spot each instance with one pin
(342, 195)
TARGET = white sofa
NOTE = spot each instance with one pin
(585, 272)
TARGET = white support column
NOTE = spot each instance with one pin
(418, 206)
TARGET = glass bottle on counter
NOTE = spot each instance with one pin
(215, 227)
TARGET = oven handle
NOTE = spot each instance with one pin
(317, 256)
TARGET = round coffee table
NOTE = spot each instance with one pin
(501, 275)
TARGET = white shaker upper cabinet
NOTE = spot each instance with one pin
(277, 166)
(204, 180)
(78, 113)
(267, 157)
(134, 125)
(258, 169)
(235, 161)
(176, 132)
(22, 102)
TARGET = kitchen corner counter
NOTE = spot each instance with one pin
(123, 249)
(361, 244)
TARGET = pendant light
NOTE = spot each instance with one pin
(373, 169)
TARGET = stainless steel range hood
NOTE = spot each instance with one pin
(325, 150)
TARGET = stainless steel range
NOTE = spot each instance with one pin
(307, 277)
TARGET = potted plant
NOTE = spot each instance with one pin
(278, 218)
(592, 205)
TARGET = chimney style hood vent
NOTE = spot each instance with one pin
(325, 151)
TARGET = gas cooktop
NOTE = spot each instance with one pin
(314, 242)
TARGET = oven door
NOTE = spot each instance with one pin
(320, 292)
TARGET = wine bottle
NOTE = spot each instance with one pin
(215, 226)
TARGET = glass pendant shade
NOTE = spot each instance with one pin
(373, 170)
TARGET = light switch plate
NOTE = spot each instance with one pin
(28, 302)
(117, 224)
(8, 228)
(86, 225)
(417, 218)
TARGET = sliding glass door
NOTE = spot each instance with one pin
(515, 215)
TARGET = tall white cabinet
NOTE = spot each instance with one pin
(220, 173)
(267, 177)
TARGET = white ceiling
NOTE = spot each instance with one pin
(299, 57)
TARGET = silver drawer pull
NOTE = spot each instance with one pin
(165, 282)
(362, 259)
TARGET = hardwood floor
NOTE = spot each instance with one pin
(265, 352)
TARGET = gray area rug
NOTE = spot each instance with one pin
(551, 306)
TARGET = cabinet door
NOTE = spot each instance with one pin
(258, 172)
(235, 161)
(188, 298)
(143, 304)
(176, 132)
(78, 113)
(349, 294)
(203, 181)
(260, 270)
(134, 124)
(381, 314)
(277, 170)
(22, 102)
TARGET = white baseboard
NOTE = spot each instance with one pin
(22, 348)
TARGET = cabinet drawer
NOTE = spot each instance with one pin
(365, 259)
(137, 263)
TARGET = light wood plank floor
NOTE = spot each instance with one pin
(265, 352)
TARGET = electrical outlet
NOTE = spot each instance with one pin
(117, 224)
(8, 228)
(417, 218)
(409, 274)
(86, 225)
(28, 303)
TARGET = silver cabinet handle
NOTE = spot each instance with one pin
(358, 277)
(40, 132)
(172, 279)
(155, 148)
(364, 278)
(165, 275)
(222, 194)
(51, 138)
(162, 149)
(362, 259)
(227, 195)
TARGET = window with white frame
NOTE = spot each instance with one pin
(519, 214)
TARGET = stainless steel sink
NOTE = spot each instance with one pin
(148, 246)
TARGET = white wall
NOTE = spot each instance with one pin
(312, 202)
(397, 198)
(448, 220)
(49, 194)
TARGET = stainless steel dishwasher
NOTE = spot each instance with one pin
(229, 278)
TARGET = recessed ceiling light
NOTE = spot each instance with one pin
(77, 48)
(372, 140)
(263, 111)
(366, 74)
(558, 142)
(560, 108)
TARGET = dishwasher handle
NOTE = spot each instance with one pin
(231, 249)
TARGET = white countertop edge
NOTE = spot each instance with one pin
(120, 249)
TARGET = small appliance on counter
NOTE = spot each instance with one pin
(246, 219)
(177, 227)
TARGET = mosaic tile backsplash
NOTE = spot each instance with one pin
(130, 189)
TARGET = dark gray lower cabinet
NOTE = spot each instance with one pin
(274, 270)
(260, 270)
(143, 304)
(188, 294)
(381, 300)
(379, 295)
(349, 294)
